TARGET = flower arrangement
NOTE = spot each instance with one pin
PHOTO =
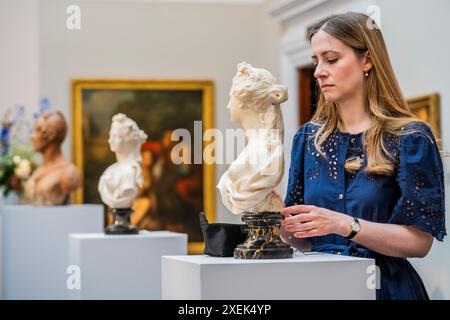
(15, 168)
(18, 159)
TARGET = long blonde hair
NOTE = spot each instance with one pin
(387, 108)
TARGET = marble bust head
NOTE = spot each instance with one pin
(254, 104)
(51, 183)
(119, 183)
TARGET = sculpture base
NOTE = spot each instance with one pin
(121, 267)
(315, 276)
(121, 222)
(263, 239)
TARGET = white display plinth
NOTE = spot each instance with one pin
(10, 199)
(1, 254)
(312, 276)
(34, 241)
(122, 266)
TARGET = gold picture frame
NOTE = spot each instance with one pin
(427, 108)
(93, 104)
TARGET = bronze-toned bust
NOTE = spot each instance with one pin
(52, 183)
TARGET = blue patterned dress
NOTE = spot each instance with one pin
(413, 196)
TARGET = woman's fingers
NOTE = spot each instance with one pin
(308, 234)
(306, 226)
(302, 208)
(298, 218)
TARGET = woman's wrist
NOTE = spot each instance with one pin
(344, 225)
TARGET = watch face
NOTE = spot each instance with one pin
(356, 227)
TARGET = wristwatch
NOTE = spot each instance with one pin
(356, 227)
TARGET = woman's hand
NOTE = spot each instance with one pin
(304, 221)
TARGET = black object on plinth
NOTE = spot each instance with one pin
(121, 222)
(263, 239)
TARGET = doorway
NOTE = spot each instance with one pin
(307, 94)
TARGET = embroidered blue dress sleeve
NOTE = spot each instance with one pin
(420, 178)
(295, 187)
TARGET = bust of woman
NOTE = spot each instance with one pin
(119, 183)
(52, 183)
(248, 184)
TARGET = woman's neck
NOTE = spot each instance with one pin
(354, 117)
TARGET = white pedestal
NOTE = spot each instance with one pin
(122, 266)
(1, 255)
(11, 199)
(35, 247)
(313, 276)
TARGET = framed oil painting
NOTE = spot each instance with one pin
(427, 108)
(172, 195)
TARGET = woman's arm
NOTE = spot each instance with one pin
(387, 239)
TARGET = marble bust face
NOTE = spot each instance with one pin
(51, 183)
(254, 104)
(119, 183)
(122, 142)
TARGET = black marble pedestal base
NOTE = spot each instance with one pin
(121, 222)
(263, 239)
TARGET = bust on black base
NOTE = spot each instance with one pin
(247, 186)
(119, 183)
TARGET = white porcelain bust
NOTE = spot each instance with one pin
(248, 184)
(119, 183)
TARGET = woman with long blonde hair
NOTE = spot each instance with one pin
(366, 176)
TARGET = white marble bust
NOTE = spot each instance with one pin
(119, 183)
(248, 184)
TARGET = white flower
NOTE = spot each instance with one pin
(23, 170)
(17, 159)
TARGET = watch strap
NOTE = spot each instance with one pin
(354, 232)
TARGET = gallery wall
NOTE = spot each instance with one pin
(19, 54)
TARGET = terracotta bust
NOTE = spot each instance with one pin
(52, 183)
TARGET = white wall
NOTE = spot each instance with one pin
(154, 40)
(19, 54)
